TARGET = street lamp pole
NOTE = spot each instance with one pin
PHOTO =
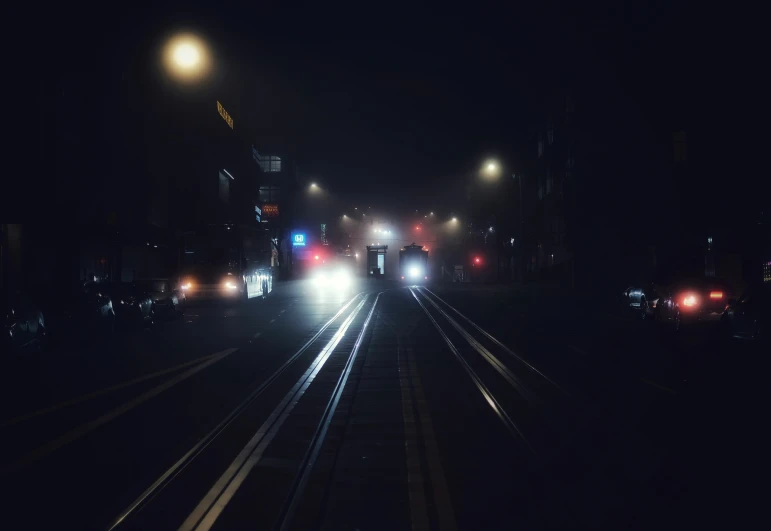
(521, 227)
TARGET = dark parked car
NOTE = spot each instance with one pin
(132, 305)
(83, 314)
(749, 318)
(168, 301)
(692, 300)
(23, 325)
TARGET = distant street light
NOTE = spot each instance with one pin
(491, 169)
(186, 57)
(454, 220)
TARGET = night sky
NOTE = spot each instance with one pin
(402, 100)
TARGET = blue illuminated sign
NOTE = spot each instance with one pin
(298, 240)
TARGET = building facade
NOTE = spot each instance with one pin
(274, 202)
(593, 191)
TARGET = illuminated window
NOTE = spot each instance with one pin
(270, 163)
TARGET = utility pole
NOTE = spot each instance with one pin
(521, 228)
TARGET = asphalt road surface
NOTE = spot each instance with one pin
(385, 406)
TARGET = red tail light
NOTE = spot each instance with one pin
(715, 295)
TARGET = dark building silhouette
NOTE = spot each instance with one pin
(594, 189)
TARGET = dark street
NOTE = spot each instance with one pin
(383, 407)
(350, 267)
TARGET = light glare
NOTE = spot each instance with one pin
(186, 57)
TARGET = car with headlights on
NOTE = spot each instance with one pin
(211, 283)
(332, 277)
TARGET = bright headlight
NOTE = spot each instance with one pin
(230, 285)
(187, 285)
(343, 277)
(414, 272)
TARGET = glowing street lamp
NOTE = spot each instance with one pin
(186, 57)
(491, 169)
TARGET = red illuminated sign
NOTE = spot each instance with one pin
(269, 210)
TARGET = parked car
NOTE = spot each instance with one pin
(168, 301)
(81, 315)
(749, 318)
(23, 325)
(641, 300)
(132, 305)
(692, 300)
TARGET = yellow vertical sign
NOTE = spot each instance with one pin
(224, 114)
